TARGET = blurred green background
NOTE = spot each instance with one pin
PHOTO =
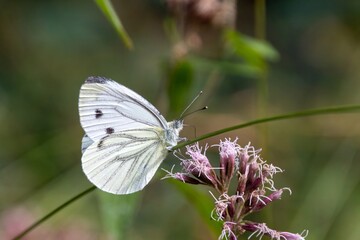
(48, 49)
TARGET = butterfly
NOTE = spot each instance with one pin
(126, 137)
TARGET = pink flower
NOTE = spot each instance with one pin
(199, 166)
(228, 155)
(227, 231)
(260, 229)
(184, 177)
(255, 189)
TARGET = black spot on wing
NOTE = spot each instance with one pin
(109, 130)
(98, 113)
(94, 79)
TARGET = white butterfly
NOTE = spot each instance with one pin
(126, 136)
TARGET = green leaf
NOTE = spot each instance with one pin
(225, 66)
(108, 9)
(118, 213)
(250, 49)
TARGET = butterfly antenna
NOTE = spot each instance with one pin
(187, 108)
(197, 110)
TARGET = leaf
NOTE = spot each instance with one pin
(250, 49)
(108, 9)
(118, 213)
(225, 66)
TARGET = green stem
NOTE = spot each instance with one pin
(53, 212)
(262, 81)
(108, 10)
(310, 112)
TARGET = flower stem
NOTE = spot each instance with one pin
(306, 113)
(50, 214)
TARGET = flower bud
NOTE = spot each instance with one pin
(254, 184)
(241, 185)
(260, 229)
(228, 154)
(199, 165)
(266, 200)
(186, 178)
(243, 162)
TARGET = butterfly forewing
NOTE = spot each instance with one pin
(106, 107)
(125, 162)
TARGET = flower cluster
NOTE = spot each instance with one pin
(241, 171)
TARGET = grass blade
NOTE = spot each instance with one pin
(53, 212)
(306, 113)
(108, 9)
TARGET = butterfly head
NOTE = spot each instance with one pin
(177, 125)
(172, 132)
(174, 128)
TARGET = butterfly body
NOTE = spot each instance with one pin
(126, 136)
(172, 133)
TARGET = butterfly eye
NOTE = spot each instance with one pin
(178, 124)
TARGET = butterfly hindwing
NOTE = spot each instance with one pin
(124, 162)
(108, 107)
(85, 143)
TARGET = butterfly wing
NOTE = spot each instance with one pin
(125, 162)
(85, 143)
(106, 107)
